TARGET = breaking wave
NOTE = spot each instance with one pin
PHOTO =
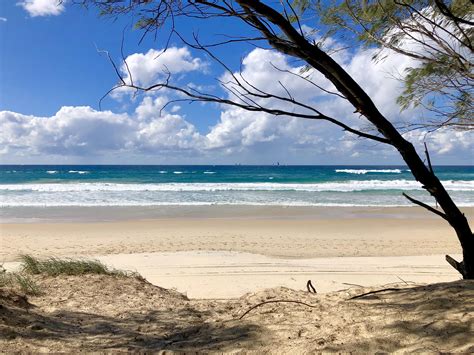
(368, 171)
(346, 186)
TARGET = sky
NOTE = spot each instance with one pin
(53, 74)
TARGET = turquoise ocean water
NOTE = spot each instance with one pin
(92, 185)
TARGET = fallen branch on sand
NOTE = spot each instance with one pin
(376, 291)
(275, 301)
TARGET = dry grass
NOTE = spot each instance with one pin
(24, 281)
(15, 280)
(71, 267)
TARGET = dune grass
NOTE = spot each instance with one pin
(21, 281)
(56, 266)
(31, 266)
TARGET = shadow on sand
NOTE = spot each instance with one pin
(183, 329)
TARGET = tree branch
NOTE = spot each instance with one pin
(424, 205)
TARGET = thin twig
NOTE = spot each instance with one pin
(276, 301)
(428, 157)
(376, 291)
(406, 283)
(349, 284)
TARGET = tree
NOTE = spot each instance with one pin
(439, 36)
(280, 25)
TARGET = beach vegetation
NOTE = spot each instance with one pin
(72, 267)
(438, 35)
(285, 27)
(15, 280)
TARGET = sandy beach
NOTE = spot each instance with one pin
(206, 270)
(249, 248)
(276, 232)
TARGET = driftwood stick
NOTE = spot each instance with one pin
(376, 291)
(310, 287)
(275, 301)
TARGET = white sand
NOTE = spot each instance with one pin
(224, 275)
(230, 274)
(225, 252)
(291, 233)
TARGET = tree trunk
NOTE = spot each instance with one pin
(452, 214)
(295, 44)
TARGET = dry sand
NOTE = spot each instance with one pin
(293, 233)
(101, 313)
(224, 275)
(212, 252)
(228, 252)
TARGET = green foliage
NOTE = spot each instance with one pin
(437, 34)
(441, 44)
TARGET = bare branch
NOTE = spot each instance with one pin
(424, 205)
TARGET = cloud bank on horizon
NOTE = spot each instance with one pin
(154, 132)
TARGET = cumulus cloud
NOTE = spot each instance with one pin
(83, 131)
(444, 141)
(145, 69)
(165, 132)
(237, 135)
(270, 71)
(43, 7)
(71, 131)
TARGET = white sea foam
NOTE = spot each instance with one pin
(78, 172)
(367, 171)
(206, 203)
(162, 171)
(209, 172)
(52, 172)
(347, 186)
(177, 172)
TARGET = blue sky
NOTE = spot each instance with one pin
(52, 77)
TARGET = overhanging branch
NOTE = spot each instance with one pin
(424, 205)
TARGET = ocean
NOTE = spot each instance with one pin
(135, 185)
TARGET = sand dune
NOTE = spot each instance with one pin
(103, 313)
(223, 255)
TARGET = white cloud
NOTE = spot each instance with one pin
(238, 135)
(147, 68)
(43, 7)
(444, 141)
(239, 130)
(168, 132)
(3, 19)
(71, 131)
(82, 131)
